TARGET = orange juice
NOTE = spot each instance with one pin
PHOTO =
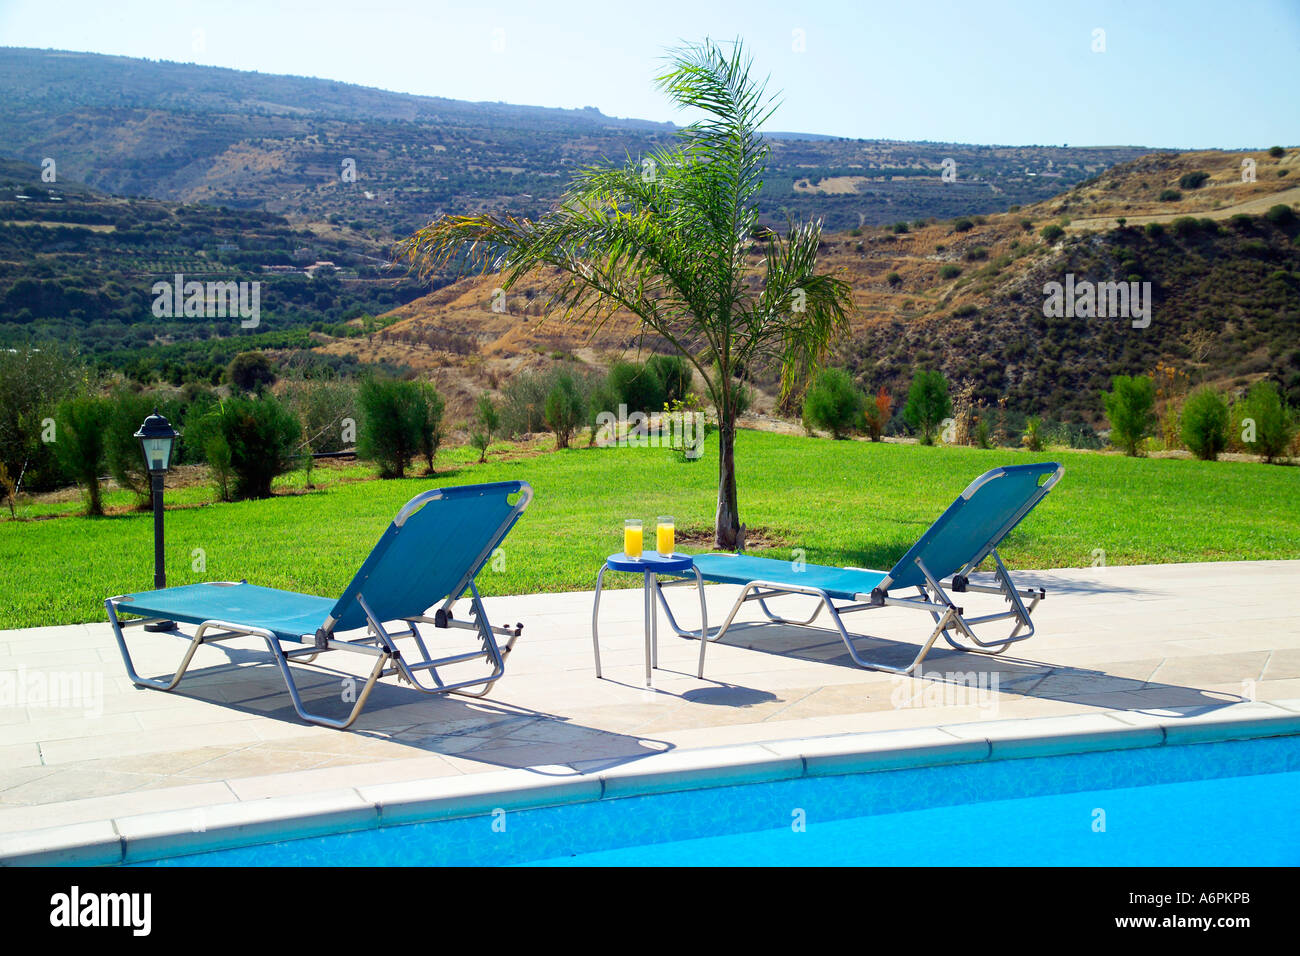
(632, 539)
(664, 535)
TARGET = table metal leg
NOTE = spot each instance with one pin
(595, 614)
(704, 621)
(650, 617)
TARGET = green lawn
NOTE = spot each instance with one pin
(847, 502)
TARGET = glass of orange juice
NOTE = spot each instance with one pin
(664, 535)
(633, 538)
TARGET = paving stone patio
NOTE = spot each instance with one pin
(1161, 639)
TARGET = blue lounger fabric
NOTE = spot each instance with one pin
(844, 584)
(289, 615)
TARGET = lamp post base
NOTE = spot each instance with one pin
(160, 626)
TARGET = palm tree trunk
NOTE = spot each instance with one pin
(727, 528)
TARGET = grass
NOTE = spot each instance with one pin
(843, 503)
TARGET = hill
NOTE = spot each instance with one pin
(967, 296)
(280, 144)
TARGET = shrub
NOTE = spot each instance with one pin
(876, 413)
(431, 432)
(894, 279)
(949, 271)
(1032, 439)
(250, 372)
(1185, 226)
(1205, 423)
(1267, 424)
(1169, 195)
(248, 441)
(674, 373)
(523, 403)
(1155, 230)
(1277, 152)
(1027, 224)
(977, 254)
(565, 410)
(80, 442)
(639, 387)
(900, 227)
(1193, 180)
(323, 408)
(122, 448)
(833, 403)
(487, 420)
(1051, 232)
(1130, 407)
(393, 412)
(927, 403)
(962, 225)
(1280, 215)
(965, 311)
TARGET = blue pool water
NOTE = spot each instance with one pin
(1220, 804)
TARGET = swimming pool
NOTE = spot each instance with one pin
(1227, 803)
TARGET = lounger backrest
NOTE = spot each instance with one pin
(976, 522)
(433, 549)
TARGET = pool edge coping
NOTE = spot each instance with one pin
(172, 832)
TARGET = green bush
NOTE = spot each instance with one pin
(325, 408)
(431, 430)
(1051, 232)
(1280, 215)
(81, 444)
(262, 436)
(833, 402)
(1193, 180)
(1205, 423)
(565, 408)
(962, 225)
(523, 402)
(1169, 195)
(486, 423)
(1277, 152)
(977, 254)
(1032, 439)
(928, 403)
(1155, 230)
(1130, 406)
(949, 271)
(122, 448)
(894, 279)
(392, 415)
(674, 373)
(250, 372)
(1265, 414)
(638, 386)
(1185, 226)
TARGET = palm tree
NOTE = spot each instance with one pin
(667, 239)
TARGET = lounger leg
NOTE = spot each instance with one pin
(130, 667)
(595, 618)
(381, 660)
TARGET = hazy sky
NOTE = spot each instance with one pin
(1184, 73)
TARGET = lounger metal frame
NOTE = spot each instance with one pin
(931, 597)
(377, 641)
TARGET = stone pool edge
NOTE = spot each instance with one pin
(165, 833)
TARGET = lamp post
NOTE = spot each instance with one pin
(157, 437)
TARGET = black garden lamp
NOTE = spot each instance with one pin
(157, 438)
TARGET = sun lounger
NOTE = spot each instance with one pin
(430, 555)
(954, 546)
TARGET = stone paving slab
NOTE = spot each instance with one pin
(1163, 643)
